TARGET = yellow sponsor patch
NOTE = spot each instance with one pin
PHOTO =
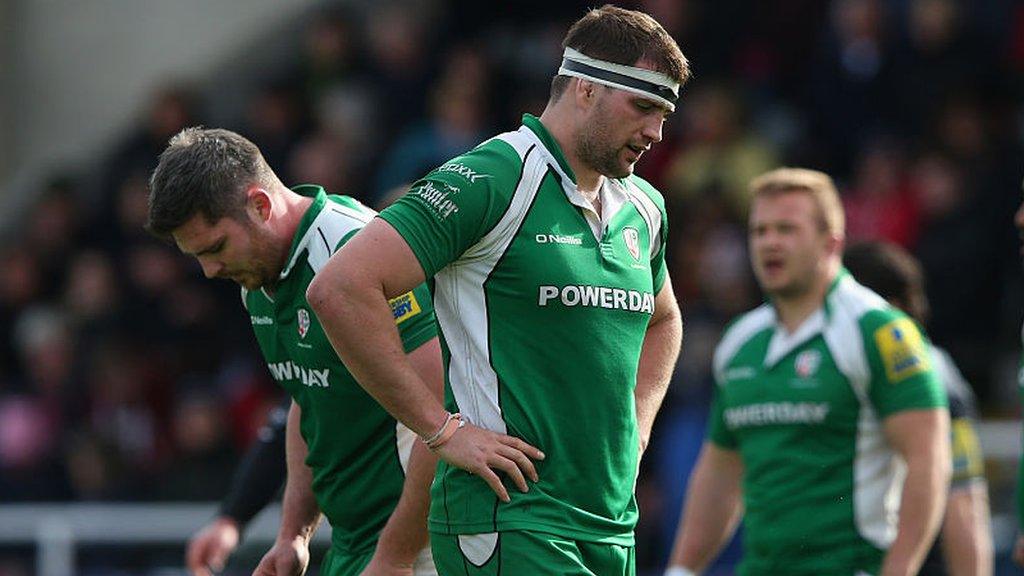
(968, 461)
(404, 307)
(902, 349)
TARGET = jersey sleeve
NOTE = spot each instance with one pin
(903, 375)
(968, 460)
(450, 209)
(262, 472)
(414, 315)
(718, 432)
(413, 311)
(658, 269)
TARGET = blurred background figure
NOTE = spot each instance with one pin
(964, 544)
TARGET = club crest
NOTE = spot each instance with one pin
(303, 322)
(632, 238)
(807, 363)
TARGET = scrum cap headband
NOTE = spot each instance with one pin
(647, 83)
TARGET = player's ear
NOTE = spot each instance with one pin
(836, 244)
(583, 90)
(258, 203)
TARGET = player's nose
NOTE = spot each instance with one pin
(210, 268)
(652, 129)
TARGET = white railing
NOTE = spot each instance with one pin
(57, 530)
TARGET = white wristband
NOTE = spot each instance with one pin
(678, 571)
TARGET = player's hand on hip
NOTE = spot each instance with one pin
(210, 547)
(481, 452)
(286, 558)
(1018, 550)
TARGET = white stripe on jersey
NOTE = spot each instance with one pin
(461, 307)
(877, 473)
(649, 212)
(327, 229)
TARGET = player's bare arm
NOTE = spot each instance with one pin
(300, 515)
(967, 533)
(657, 359)
(921, 437)
(405, 533)
(714, 506)
(350, 297)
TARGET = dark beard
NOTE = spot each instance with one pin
(592, 149)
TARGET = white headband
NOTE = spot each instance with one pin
(647, 83)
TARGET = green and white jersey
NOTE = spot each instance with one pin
(357, 452)
(542, 307)
(821, 486)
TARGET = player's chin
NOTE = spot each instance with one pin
(620, 170)
(249, 282)
(771, 280)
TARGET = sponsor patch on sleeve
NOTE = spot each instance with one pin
(968, 461)
(902, 349)
(404, 307)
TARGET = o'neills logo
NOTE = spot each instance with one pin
(632, 238)
(597, 297)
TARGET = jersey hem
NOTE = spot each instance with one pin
(484, 527)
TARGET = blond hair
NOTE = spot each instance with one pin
(817, 184)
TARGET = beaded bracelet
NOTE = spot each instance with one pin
(447, 432)
(433, 438)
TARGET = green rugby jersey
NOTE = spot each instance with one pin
(821, 487)
(357, 452)
(542, 307)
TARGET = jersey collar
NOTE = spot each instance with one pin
(613, 192)
(549, 142)
(301, 238)
(782, 343)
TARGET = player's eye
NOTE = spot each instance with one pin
(216, 247)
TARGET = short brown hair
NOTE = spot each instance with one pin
(203, 171)
(892, 273)
(817, 184)
(623, 37)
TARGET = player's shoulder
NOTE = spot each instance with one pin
(742, 330)
(962, 402)
(495, 161)
(646, 188)
(339, 219)
(851, 301)
(887, 333)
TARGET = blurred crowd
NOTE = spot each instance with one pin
(124, 375)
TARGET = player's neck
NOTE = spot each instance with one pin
(293, 208)
(794, 309)
(558, 124)
(289, 209)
